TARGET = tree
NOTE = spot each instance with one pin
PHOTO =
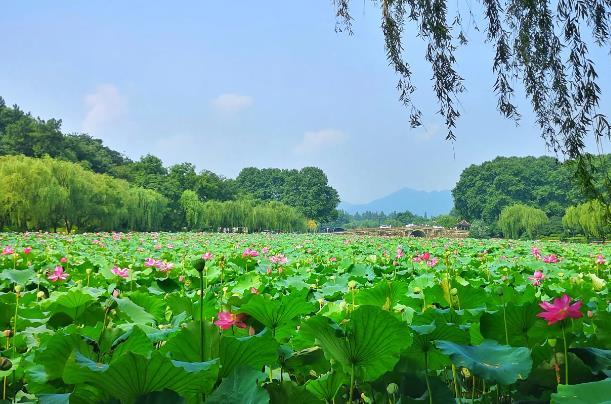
(484, 190)
(48, 193)
(541, 43)
(588, 219)
(307, 189)
(516, 220)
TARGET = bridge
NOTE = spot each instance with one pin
(412, 231)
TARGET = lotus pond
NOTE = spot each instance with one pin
(216, 318)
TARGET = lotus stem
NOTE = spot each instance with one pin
(351, 384)
(473, 390)
(566, 356)
(201, 316)
(455, 377)
(505, 321)
(426, 376)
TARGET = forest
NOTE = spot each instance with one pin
(55, 180)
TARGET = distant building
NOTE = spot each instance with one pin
(463, 225)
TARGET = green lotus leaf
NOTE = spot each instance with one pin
(585, 393)
(496, 363)
(371, 342)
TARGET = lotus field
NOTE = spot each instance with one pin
(217, 318)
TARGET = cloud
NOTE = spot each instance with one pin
(430, 131)
(230, 103)
(314, 141)
(105, 105)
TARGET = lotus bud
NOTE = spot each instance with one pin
(40, 294)
(199, 265)
(392, 388)
(89, 271)
(352, 284)
(552, 342)
(8, 333)
(590, 314)
(18, 288)
(597, 283)
(5, 364)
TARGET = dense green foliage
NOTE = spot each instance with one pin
(256, 216)
(47, 194)
(306, 190)
(588, 218)
(517, 220)
(20, 133)
(156, 317)
(484, 191)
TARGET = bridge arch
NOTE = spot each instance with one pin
(417, 233)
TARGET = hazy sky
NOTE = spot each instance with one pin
(226, 85)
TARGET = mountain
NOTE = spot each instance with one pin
(432, 202)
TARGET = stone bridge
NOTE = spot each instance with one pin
(412, 231)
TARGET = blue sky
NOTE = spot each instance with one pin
(226, 85)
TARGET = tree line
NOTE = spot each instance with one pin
(306, 191)
(48, 194)
(532, 197)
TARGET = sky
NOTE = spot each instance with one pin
(228, 85)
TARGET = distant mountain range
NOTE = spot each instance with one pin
(432, 202)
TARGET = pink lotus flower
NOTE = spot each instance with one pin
(560, 309)
(227, 319)
(250, 253)
(158, 246)
(7, 250)
(123, 273)
(550, 259)
(58, 274)
(265, 250)
(149, 262)
(536, 278)
(332, 259)
(27, 250)
(278, 259)
(116, 293)
(163, 266)
(400, 253)
(422, 257)
(535, 251)
(432, 262)
(207, 256)
(254, 291)
(600, 260)
(63, 260)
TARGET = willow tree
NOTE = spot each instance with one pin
(588, 219)
(47, 194)
(516, 220)
(542, 45)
